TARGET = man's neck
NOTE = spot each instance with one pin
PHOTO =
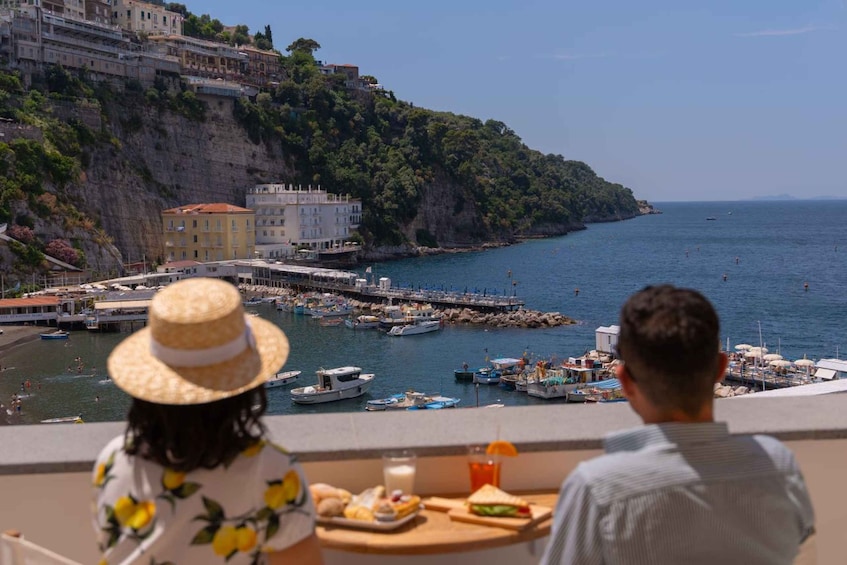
(649, 416)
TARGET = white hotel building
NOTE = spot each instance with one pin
(288, 218)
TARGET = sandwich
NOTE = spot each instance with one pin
(491, 501)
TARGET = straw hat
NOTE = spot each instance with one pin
(198, 347)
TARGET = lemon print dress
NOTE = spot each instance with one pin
(234, 514)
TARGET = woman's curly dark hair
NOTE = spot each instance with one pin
(187, 437)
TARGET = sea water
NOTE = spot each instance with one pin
(753, 261)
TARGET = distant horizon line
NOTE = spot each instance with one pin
(754, 199)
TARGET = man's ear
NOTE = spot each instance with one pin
(627, 384)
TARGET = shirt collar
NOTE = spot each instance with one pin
(671, 433)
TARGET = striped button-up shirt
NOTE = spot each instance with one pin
(683, 494)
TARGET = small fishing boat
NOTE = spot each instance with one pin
(329, 322)
(58, 334)
(486, 376)
(282, 378)
(437, 403)
(381, 404)
(411, 400)
(464, 374)
(64, 420)
(334, 384)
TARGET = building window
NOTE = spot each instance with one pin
(164, 20)
(195, 254)
(195, 239)
(129, 14)
(193, 223)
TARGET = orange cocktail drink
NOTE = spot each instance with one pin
(484, 468)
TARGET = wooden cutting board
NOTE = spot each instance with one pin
(539, 513)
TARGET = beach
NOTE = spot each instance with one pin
(13, 336)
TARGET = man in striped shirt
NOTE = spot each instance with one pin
(679, 489)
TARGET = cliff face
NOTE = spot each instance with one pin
(165, 160)
(158, 159)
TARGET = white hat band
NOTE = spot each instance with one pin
(203, 357)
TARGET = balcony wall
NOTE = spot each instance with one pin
(45, 470)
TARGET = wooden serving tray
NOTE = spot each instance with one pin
(457, 511)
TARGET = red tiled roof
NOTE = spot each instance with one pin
(32, 301)
(214, 208)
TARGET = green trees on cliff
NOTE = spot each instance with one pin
(386, 151)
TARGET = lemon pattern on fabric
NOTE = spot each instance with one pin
(131, 518)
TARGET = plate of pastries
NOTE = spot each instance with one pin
(371, 509)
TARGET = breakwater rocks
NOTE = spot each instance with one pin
(522, 318)
(726, 391)
(516, 319)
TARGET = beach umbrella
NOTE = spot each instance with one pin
(804, 362)
(760, 350)
(772, 357)
(779, 363)
(743, 347)
(753, 354)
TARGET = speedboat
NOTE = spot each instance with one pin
(416, 328)
(282, 378)
(58, 334)
(334, 384)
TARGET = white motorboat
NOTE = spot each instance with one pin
(334, 384)
(282, 378)
(416, 328)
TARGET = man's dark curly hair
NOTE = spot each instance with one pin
(669, 342)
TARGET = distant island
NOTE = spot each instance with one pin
(792, 197)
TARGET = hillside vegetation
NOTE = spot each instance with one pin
(425, 178)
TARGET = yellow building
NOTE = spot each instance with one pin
(133, 15)
(209, 232)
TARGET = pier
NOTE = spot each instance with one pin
(352, 284)
(757, 379)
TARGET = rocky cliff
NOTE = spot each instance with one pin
(165, 160)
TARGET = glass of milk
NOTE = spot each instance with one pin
(398, 469)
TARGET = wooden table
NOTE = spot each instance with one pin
(433, 532)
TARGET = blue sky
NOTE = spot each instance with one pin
(721, 101)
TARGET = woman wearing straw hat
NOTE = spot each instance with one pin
(194, 479)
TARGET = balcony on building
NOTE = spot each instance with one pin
(45, 473)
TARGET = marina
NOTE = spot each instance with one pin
(760, 287)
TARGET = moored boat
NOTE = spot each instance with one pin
(58, 334)
(464, 374)
(416, 328)
(334, 384)
(411, 400)
(64, 420)
(486, 376)
(363, 322)
(282, 378)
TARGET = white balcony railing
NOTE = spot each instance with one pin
(45, 471)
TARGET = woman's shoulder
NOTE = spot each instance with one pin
(111, 449)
